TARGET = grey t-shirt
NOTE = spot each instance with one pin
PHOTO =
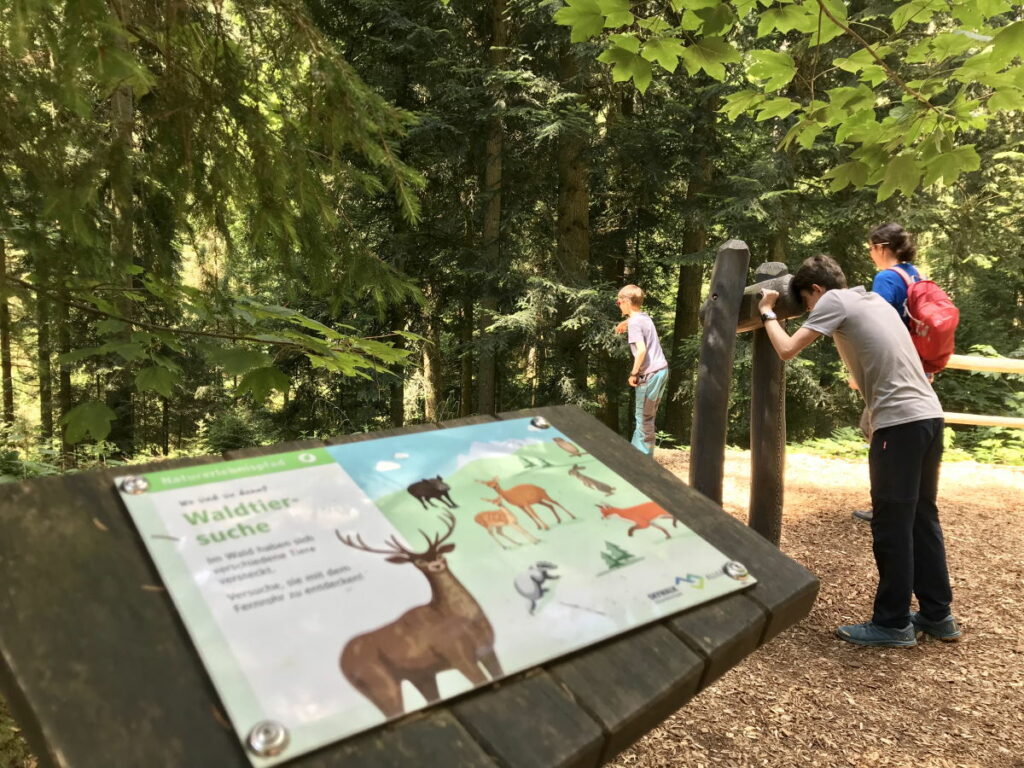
(879, 354)
(640, 327)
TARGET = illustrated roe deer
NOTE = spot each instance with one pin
(524, 497)
(590, 482)
(642, 516)
(495, 521)
(449, 632)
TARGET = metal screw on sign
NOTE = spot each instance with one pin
(267, 739)
(736, 570)
(539, 422)
(134, 485)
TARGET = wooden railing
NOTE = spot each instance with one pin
(988, 365)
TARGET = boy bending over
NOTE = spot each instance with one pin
(906, 424)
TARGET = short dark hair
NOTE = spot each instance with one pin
(896, 238)
(818, 270)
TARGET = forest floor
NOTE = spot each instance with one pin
(808, 699)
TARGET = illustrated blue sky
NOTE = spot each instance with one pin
(391, 464)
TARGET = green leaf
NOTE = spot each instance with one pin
(626, 65)
(950, 44)
(664, 50)
(774, 69)
(1007, 99)
(853, 172)
(861, 59)
(950, 165)
(654, 25)
(743, 7)
(616, 12)
(693, 5)
(784, 19)
(130, 351)
(860, 127)
(261, 382)
(1008, 44)
(716, 20)
(779, 107)
(820, 27)
(902, 173)
(741, 101)
(709, 54)
(629, 42)
(109, 326)
(585, 18)
(916, 11)
(89, 418)
(156, 378)
(237, 360)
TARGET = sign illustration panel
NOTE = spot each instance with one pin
(333, 589)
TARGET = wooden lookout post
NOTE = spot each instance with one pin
(731, 309)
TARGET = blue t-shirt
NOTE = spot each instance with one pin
(893, 289)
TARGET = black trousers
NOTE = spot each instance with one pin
(907, 538)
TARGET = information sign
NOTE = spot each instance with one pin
(330, 590)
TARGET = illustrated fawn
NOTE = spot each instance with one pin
(590, 482)
(495, 521)
(449, 632)
(524, 497)
(642, 516)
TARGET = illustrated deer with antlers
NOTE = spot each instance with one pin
(496, 520)
(524, 497)
(449, 632)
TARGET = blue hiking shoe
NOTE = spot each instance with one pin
(947, 630)
(870, 633)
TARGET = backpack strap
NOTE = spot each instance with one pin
(904, 274)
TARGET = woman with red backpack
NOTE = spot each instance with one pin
(891, 248)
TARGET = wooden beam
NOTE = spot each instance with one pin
(987, 364)
(984, 421)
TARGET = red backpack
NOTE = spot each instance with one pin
(933, 319)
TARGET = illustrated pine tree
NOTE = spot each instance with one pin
(615, 556)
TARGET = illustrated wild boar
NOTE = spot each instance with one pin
(430, 488)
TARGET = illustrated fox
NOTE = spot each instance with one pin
(642, 516)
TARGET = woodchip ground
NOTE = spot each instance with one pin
(808, 699)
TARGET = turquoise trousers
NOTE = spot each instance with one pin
(648, 397)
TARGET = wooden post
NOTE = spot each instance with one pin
(767, 425)
(718, 344)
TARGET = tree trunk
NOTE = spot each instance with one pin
(466, 338)
(65, 396)
(614, 371)
(679, 411)
(573, 224)
(5, 340)
(432, 362)
(44, 351)
(396, 388)
(165, 426)
(120, 390)
(491, 236)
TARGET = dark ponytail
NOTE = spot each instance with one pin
(896, 238)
